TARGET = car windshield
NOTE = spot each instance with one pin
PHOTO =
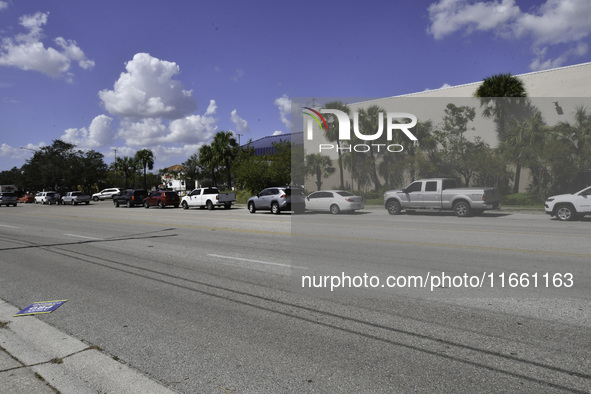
(346, 194)
(170, 194)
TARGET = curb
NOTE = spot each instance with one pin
(36, 357)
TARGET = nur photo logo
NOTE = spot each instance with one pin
(393, 123)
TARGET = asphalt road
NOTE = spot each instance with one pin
(212, 301)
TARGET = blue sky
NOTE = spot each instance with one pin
(166, 75)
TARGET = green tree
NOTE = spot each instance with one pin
(500, 95)
(368, 119)
(332, 134)
(320, 166)
(224, 149)
(127, 165)
(145, 159)
(207, 164)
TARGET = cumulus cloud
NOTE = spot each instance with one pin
(277, 132)
(193, 129)
(28, 52)
(3, 5)
(284, 105)
(553, 23)
(148, 90)
(98, 134)
(241, 124)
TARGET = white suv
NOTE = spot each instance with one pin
(569, 206)
(45, 198)
(105, 194)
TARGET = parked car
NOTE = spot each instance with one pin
(45, 198)
(130, 197)
(277, 200)
(334, 201)
(58, 198)
(208, 197)
(162, 199)
(75, 198)
(8, 198)
(568, 207)
(27, 198)
(105, 194)
(442, 194)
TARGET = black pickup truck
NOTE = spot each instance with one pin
(130, 197)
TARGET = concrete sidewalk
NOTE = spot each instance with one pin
(38, 358)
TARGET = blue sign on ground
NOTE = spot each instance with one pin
(41, 307)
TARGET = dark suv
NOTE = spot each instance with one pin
(278, 199)
(130, 197)
(162, 199)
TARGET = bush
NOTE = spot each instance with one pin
(520, 199)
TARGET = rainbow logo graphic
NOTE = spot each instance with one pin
(325, 127)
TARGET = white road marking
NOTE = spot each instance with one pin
(7, 226)
(258, 261)
(82, 236)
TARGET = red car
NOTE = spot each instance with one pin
(162, 199)
(27, 198)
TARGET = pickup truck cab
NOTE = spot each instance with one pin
(441, 194)
(568, 207)
(208, 197)
(75, 198)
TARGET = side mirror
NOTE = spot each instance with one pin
(258, 195)
(308, 198)
(405, 191)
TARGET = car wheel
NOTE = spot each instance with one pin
(176, 205)
(275, 208)
(129, 204)
(393, 207)
(334, 209)
(95, 199)
(209, 205)
(185, 205)
(251, 207)
(227, 206)
(566, 213)
(116, 203)
(160, 204)
(146, 205)
(462, 209)
(87, 202)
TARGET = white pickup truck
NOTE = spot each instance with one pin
(442, 194)
(208, 197)
(568, 207)
(75, 198)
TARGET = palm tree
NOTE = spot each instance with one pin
(320, 166)
(225, 149)
(368, 120)
(207, 162)
(332, 134)
(145, 159)
(501, 89)
(507, 93)
(127, 165)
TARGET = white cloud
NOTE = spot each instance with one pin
(27, 51)
(3, 5)
(284, 105)
(553, 23)
(278, 132)
(98, 134)
(238, 75)
(241, 124)
(150, 132)
(148, 90)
